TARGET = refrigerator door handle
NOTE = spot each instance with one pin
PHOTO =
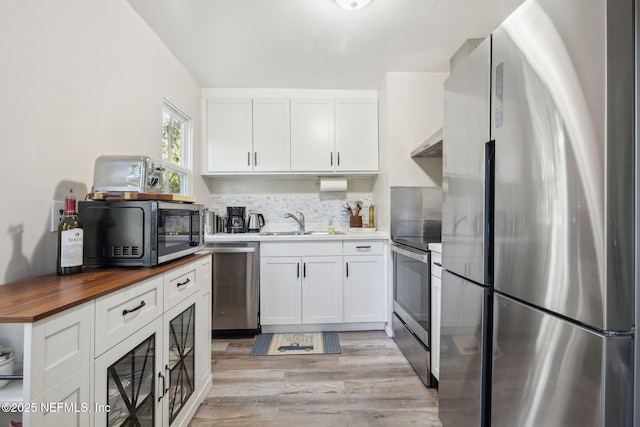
(489, 198)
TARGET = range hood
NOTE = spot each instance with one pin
(432, 147)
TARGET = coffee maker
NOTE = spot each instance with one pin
(236, 219)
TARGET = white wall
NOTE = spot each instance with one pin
(78, 79)
(411, 107)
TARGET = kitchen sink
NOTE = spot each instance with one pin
(281, 233)
(300, 233)
(326, 233)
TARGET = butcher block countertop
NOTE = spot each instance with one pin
(36, 298)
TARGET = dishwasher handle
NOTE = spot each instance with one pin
(232, 250)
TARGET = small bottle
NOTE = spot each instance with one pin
(70, 240)
(371, 216)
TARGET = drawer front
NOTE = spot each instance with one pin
(203, 275)
(364, 247)
(179, 284)
(301, 249)
(436, 264)
(121, 313)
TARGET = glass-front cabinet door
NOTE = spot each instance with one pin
(129, 381)
(181, 360)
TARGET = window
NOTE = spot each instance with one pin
(176, 150)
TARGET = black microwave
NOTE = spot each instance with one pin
(139, 233)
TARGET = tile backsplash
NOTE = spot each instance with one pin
(319, 209)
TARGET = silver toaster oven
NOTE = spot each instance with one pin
(139, 174)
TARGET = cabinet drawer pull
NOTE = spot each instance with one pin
(186, 282)
(127, 311)
(368, 247)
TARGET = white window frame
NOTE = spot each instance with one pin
(186, 169)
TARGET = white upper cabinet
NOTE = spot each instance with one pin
(312, 135)
(356, 135)
(229, 135)
(271, 135)
(315, 135)
(248, 135)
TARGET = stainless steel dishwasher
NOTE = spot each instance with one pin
(235, 288)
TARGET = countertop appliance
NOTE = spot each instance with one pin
(538, 221)
(415, 222)
(236, 272)
(139, 233)
(127, 174)
(255, 222)
(236, 219)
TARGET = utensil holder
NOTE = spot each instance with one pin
(355, 221)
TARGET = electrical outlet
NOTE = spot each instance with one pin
(57, 210)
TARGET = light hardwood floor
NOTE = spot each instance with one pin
(369, 384)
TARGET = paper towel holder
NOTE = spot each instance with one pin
(333, 184)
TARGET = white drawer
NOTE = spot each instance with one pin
(179, 284)
(363, 247)
(300, 249)
(436, 264)
(123, 312)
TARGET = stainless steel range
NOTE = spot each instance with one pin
(415, 222)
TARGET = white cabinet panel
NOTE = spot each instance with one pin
(280, 293)
(322, 299)
(436, 292)
(312, 135)
(364, 289)
(271, 135)
(229, 135)
(179, 284)
(356, 135)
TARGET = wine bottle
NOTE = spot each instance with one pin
(70, 240)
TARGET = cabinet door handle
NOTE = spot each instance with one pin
(347, 264)
(163, 386)
(298, 271)
(338, 158)
(255, 158)
(248, 158)
(127, 311)
(168, 374)
(437, 263)
(186, 282)
(331, 158)
(304, 270)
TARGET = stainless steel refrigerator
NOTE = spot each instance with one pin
(539, 226)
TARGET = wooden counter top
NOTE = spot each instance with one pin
(35, 298)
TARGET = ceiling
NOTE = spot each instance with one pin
(315, 44)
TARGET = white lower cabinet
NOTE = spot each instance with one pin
(364, 289)
(296, 290)
(125, 357)
(324, 284)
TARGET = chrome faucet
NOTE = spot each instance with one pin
(299, 221)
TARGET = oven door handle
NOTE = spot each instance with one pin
(418, 256)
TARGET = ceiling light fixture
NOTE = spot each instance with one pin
(353, 4)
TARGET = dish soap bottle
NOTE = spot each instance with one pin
(70, 240)
(371, 216)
